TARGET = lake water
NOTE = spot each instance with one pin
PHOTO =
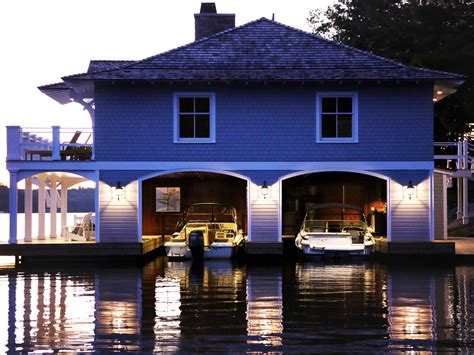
(228, 307)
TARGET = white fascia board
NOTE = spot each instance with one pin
(195, 165)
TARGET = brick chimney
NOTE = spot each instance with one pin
(209, 22)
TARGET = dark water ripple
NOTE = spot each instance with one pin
(225, 307)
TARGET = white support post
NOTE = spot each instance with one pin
(53, 205)
(459, 166)
(28, 208)
(465, 182)
(41, 207)
(13, 142)
(64, 188)
(56, 144)
(445, 206)
(13, 207)
(97, 206)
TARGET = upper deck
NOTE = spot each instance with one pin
(49, 144)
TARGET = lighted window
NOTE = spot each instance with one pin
(336, 117)
(168, 199)
(194, 118)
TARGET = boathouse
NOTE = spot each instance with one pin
(263, 116)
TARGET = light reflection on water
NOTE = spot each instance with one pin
(222, 306)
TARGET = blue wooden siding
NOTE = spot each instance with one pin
(263, 124)
(410, 218)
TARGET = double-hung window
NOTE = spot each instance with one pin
(336, 117)
(194, 117)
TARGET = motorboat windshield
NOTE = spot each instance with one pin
(334, 218)
(210, 212)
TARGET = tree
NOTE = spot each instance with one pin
(434, 34)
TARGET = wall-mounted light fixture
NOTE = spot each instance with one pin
(264, 190)
(118, 191)
(410, 190)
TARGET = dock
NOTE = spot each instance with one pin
(57, 248)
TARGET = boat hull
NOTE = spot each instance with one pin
(321, 244)
(354, 251)
(215, 251)
(178, 250)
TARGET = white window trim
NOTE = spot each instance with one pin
(212, 118)
(355, 117)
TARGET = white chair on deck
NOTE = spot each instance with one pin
(83, 229)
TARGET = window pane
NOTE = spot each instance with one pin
(344, 126)
(186, 126)
(344, 104)
(202, 104)
(202, 126)
(186, 104)
(328, 104)
(328, 125)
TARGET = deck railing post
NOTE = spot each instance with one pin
(56, 144)
(13, 142)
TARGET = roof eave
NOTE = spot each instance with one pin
(444, 87)
(59, 92)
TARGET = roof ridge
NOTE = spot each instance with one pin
(174, 49)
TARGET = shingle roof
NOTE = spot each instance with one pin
(261, 50)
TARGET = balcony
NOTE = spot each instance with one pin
(49, 144)
(458, 156)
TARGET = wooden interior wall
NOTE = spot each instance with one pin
(195, 188)
(355, 189)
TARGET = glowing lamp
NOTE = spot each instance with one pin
(410, 190)
(118, 191)
(264, 189)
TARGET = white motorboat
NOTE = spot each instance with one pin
(335, 229)
(207, 230)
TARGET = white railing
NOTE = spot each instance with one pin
(460, 153)
(53, 143)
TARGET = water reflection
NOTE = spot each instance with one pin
(411, 309)
(118, 305)
(222, 306)
(50, 311)
(335, 304)
(264, 307)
